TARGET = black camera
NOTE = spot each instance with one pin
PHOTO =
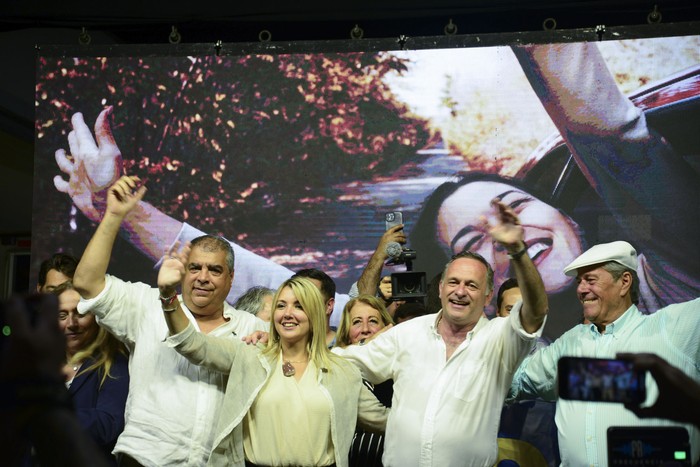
(408, 285)
(404, 285)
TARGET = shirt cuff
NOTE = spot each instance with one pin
(177, 339)
(354, 291)
(518, 325)
(86, 305)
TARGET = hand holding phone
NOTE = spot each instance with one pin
(679, 394)
(393, 219)
(600, 380)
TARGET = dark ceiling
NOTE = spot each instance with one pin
(134, 21)
(24, 24)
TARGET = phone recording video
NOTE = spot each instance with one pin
(600, 380)
(393, 219)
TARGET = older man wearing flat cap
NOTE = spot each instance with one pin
(607, 288)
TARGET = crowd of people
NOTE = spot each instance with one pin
(195, 393)
(130, 374)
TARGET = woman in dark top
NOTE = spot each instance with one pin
(96, 370)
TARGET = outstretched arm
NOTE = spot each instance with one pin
(633, 169)
(369, 280)
(89, 279)
(506, 230)
(679, 394)
(94, 164)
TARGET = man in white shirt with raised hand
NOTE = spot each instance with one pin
(452, 370)
(172, 404)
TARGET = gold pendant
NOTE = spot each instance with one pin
(288, 369)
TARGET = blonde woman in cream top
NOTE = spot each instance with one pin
(291, 402)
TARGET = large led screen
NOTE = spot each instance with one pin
(295, 158)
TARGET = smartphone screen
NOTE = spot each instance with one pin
(631, 446)
(600, 380)
(393, 219)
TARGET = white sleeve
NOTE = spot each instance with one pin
(376, 359)
(121, 306)
(340, 301)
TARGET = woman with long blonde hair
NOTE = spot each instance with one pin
(96, 371)
(290, 402)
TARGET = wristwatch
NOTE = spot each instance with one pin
(518, 254)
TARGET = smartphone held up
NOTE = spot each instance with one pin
(393, 218)
(600, 380)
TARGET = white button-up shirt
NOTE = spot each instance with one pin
(173, 404)
(444, 412)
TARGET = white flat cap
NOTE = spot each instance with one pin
(619, 252)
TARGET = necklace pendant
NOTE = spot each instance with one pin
(288, 369)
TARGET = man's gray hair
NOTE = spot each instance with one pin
(252, 300)
(213, 243)
(477, 257)
(616, 270)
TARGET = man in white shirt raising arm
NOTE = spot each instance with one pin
(452, 370)
(172, 404)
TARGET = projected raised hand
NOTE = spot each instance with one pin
(92, 165)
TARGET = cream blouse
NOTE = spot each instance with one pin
(289, 422)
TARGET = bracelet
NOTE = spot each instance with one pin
(518, 254)
(362, 341)
(166, 302)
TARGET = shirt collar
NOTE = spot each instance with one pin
(434, 326)
(479, 324)
(618, 326)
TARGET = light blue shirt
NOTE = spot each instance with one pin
(673, 333)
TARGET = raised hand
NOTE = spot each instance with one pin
(124, 195)
(92, 166)
(367, 283)
(394, 234)
(505, 227)
(172, 269)
(679, 394)
(385, 287)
